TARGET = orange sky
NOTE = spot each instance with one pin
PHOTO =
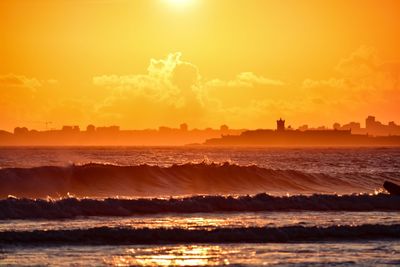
(145, 63)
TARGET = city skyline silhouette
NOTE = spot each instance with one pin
(184, 135)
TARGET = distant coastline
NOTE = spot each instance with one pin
(338, 136)
(352, 134)
(298, 138)
(112, 136)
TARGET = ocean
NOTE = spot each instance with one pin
(198, 206)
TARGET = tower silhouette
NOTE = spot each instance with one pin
(280, 125)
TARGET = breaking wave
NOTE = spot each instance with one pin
(101, 180)
(125, 236)
(12, 208)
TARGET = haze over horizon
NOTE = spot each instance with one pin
(145, 63)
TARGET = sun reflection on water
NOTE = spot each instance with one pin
(190, 255)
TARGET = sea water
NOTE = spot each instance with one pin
(194, 206)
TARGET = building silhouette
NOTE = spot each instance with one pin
(374, 133)
(280, 125)
(320, 136)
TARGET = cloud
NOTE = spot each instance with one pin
(12, 81)
(16, 89)
(245, 79)
(331, 83)
(170, 90)
(361, 62)
(20, 81)
(170, 80)
(174, 90)
(17, 98)
(363, 85)
(25, 99)
(245, 92)
(365, 68)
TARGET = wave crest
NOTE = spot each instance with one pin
(100, 180)
(71, 207)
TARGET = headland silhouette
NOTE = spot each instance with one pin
(374, 134)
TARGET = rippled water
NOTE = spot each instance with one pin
(211, 221)
(381, 253)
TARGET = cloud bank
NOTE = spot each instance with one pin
(172, 90)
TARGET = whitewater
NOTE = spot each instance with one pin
(196, 206)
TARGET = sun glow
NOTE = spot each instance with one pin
(179, 2)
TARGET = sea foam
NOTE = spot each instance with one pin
(13, 208)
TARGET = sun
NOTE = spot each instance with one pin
(180, 2)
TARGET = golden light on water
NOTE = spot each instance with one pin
(171, 256)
